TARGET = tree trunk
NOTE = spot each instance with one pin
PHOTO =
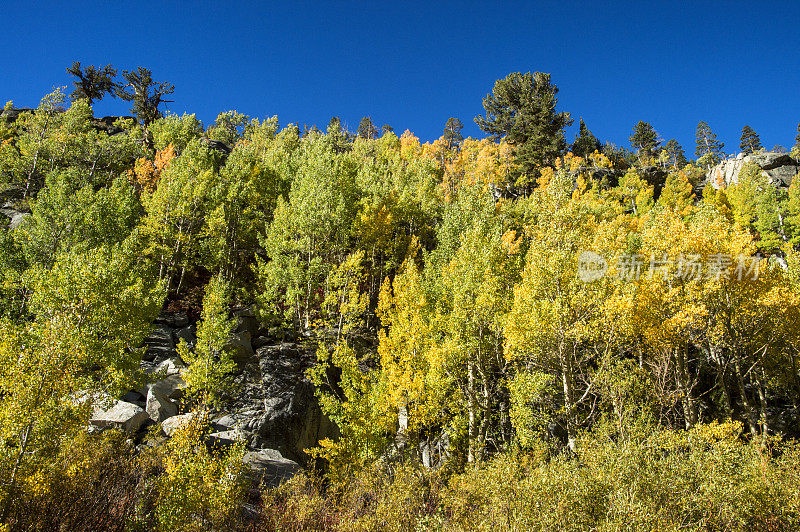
(569, 398)
(762, 403)
(749, 408)
(686, 386)
(12, 483)
(472, 411)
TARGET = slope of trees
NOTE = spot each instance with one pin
(568, 351)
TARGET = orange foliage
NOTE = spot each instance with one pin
(146, 173)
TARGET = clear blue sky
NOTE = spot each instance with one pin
(412, 65)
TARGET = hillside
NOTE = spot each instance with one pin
(253, 326)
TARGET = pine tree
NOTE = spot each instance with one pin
(338, 136)
(452, 132)
(749, 142)
(366, 129)
(707, 143)
(145, 94)
(585, 142)
(92, 83)
(522, 110)
(644, 140)
(675, 154)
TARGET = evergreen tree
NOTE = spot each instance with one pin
(749, 142)
(644, 140)
(92, 83)
(675, 154)
(522, 110)
(366, 129)
(707, 143)
(585, 142)
(145, 94)
(452, 132)
(338, 136)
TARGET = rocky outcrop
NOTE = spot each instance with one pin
(240, 347)
(10, 193)
(11, 115)
(106, 124)
(173, 424)
(216, 145)
(12, 206)
(269, 467)
(16, 218)
(778, 168)
(275, 406)
(274, 409)
(655, 176)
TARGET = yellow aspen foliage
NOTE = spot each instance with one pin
(481, 163)
(410, 147)
(200, 489)
(677, 193)
(405, 347)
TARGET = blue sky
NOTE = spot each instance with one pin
(412, 65)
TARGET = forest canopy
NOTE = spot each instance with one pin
(508, 326)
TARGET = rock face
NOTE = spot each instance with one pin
(106, 124)
(16, 219)
(212, 144)
(9, 193)
(778, 168)
(171, 425)
(10, 196)
(11, 115)
(240, 347)
(276, 407)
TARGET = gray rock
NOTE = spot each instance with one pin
(11, 115)
(106, 124)
(239, 347)
(246, 321)
(160, 343)
(161, 397)
(17, 220)
(260, 341)
(227, 438)
(225, 422)
(288, 416)
(217, 145)
(8, 193)
(778, 168)
(171, 366)
(188, 334)
(134, 397)
(171, 425)
(175, 320)
(269, 467)
(123, 415)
